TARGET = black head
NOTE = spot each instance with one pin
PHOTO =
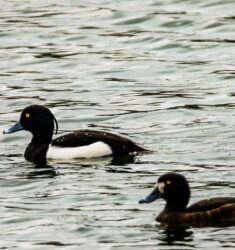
(38, 120)
(173, 188)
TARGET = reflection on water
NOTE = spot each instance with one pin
(161, 72)
(41, 172)
(176, 236)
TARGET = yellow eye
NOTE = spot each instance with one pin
(27, 115)
(168, 182)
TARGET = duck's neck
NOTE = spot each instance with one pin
(36, 153)
(174, 208)
(178, 200)
(37, 149)
(40, 138)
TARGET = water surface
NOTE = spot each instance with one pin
(160, 72)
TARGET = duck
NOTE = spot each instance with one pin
(85, 143)
(175, 190)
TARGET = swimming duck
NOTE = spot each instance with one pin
(174, 189)
(40, 121)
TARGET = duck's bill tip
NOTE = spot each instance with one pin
(154, 195)
(16, 127)
(6, 131)
(142, 201)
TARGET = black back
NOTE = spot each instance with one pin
(120, 145)
(208, 204)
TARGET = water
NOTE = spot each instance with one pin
(161, 72)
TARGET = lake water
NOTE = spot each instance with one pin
(160, 72)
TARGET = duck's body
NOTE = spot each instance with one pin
(219, 211)
(209, 212)
(78, 144)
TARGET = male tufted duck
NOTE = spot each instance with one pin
(40, 122)
(174, 189)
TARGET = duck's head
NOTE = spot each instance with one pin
(173, 188)
(38, 120)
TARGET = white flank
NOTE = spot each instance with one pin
(97, 149)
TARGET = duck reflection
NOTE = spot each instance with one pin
(42, 171)
(170, 235)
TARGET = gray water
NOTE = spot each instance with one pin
(159, 72)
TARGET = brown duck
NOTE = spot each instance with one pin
(174, 189)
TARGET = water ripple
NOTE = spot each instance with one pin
(159, 72)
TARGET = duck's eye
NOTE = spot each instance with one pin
(168, 182)
(27, 115)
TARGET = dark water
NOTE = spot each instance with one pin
(161, 72)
